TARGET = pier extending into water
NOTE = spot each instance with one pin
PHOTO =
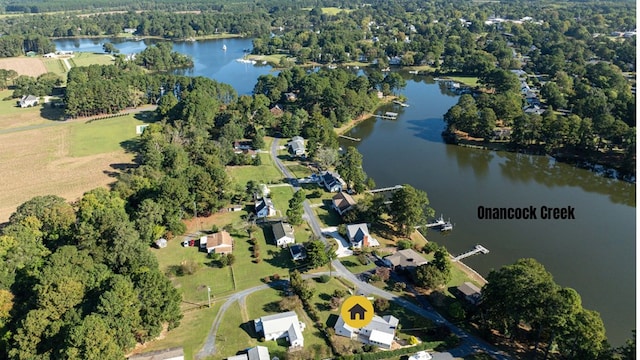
(388, 115)
(349, 138)
(476, 250)
(390, 188)
(400, 103)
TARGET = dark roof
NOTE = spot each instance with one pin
(262, 203)
(281, 229)
(468, 289)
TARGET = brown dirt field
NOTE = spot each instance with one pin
(37, 162)
(24, 66)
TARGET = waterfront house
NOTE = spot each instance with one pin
(406, 259)
(343, 202)
(264, 208)
(379, 332)
(282, 234)
(359, 236)
(332, 181)
(276, 110)
(283, 325)
(28, 101)
(218, 243)
(470, 293)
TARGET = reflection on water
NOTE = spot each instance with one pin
(458, 180)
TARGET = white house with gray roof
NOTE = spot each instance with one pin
(283, 325)
(379, 332)
(265, 208)
(283, 234)
(255, 353)
(359, 236)
(296, 146)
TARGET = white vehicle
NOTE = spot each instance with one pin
(420, 355)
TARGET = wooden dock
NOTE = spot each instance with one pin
(400, 103)
(476, 250)
(390, 188)
(388, 115)
(349, 138)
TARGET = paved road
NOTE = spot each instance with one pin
(209, 347)
(470, 344)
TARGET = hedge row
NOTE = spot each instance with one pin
(386, 354)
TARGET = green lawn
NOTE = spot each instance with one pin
(266, 173)
(331, 10)
(191, 334)
(321, 298)
(86, 59)
(105, 135)
(327, 215)
(467, 80)
(281, 196)
(56, 66)
(353, 264)
(273, 59)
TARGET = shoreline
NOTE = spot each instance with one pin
(153, 37)
(351, 124)
(472, 274)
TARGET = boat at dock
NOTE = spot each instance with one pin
(400, 103)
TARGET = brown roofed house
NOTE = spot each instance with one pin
(343, 202)
(220, 243)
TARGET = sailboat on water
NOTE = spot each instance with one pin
(224, 47)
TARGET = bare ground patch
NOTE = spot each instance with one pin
(37, 162)
(24, 66)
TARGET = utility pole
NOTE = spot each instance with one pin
(209, 295)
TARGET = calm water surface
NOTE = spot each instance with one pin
(208, 57)
(595, 253)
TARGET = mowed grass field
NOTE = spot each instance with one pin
(41, 157)
(86, 59)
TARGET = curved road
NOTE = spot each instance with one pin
(470, 344)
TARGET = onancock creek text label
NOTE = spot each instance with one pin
(526, 213)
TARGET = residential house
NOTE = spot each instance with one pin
(176, 353)
(533, 110)
(343, 202)
(470, 293)
(255, 353)
(129, 30)
(379, 332)
(283, 234)
(265, 208)
(332, 181)
(283, 325)
(276, 110)
(406, 259)
(218, 243)
(297, 252)
(359, 237)
(28, 101)
(49, 55)
(296, 146)
(291, 96)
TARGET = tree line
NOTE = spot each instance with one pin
(77, 281)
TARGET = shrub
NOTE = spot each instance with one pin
(413, 340)
(223, 261)
(381, 304)
(362, 258)
(383, 272)
(340, 293)
(257, 260)
(231, 259)
(214, 228)
(456, 311)
(256, 254)
(275, 277)
(253, 241)
(256, 247)
(324, 278)
(399, 286)
(189, 267)
(266, 279)
(405, 244)
(430, 247)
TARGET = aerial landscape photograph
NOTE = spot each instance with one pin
(318, 179)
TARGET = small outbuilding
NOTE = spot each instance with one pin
(28, 101)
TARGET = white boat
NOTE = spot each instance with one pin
(224, 47)
(264, 62)
(386, 69)
(420, 355)
(415, 72)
